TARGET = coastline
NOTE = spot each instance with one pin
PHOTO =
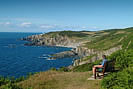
(54, 39)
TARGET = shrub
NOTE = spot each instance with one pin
(63, 69)
(119, 80)
(53, 69)
(123, 58)
(123, 79)
(11, 86)
(4, 80)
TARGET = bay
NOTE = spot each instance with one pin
(18, 60)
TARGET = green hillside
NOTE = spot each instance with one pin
(76, 78)
(100, 40)
(112, 38)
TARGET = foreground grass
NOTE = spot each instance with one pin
(60, 80)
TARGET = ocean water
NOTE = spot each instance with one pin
(19, 60)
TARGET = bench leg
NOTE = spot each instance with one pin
(95, 74)
(103, 75)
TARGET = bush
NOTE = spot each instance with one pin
(63, 69)
(10, 82)
(123, 79)
(4, 80)
(53, 69)
(119, 80)
(11, 86)
(123, 58)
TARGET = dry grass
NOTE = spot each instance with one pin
(89, 33)
(60, 80)
(120, 32)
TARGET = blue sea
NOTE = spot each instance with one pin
(19, 60)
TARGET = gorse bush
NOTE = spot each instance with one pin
(123, 79)
(119, 80)
(123, 58)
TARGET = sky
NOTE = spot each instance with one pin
(57, 15)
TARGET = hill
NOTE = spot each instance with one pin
(116, 43)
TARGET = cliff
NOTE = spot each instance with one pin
(55, 39)
(85, 44)
(92, 54)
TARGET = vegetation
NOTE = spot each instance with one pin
(100, 40)
(123, 78)
(67, 33)
(112, 38)
(64, 78)
(119, 80)
(60, 80)
(11, 82)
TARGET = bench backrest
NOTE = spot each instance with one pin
(110, 66)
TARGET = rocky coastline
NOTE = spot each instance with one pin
(41, 40)
(64, 54)
(65, 41)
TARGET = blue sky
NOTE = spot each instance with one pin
(53, 15)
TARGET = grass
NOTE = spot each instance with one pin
(60, 80)
(101, 40)
(67, 33)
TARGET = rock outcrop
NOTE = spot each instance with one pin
(41, 40)
(82, 52)
(64, 54)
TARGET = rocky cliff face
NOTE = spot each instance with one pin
(82, 51)
(88, 52)
(52, 41)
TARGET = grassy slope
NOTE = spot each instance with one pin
(101, 40)
(79, 36)
(60, 80)
(111, 38)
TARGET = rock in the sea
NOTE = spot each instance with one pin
(63, 55)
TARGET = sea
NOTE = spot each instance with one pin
(18, 60)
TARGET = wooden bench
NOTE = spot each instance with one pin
(100, 70)
(108, 67)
